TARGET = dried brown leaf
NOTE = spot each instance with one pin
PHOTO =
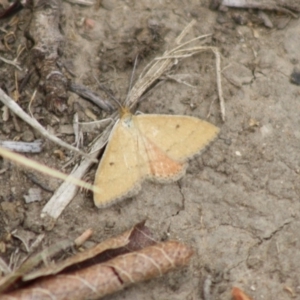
(134, 239)
(103, 279)
(131, 240)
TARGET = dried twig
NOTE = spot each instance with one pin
(283, 6)
(24, 147)
(83, 237)
(12, 105)
(219, 84)
(207, 288)
(77, 132)
(89, 95)
(11, 62)
(82, 2)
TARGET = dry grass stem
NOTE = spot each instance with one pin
(29, 163)
(13, 106)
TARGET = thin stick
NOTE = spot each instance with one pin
(29, 163)
(219, 83)
(12, 105)
(11, 62)
(91, 96)
(25, 147)
(82, 2)
(30, 102)
(264, 5)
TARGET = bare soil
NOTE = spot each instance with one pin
(238, 205)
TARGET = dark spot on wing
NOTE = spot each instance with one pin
(177, 126)
(111, 163)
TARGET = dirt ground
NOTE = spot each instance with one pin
(238, 205)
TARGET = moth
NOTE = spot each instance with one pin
(149, 146)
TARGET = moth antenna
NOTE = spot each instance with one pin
(102, 87)
(131, 79)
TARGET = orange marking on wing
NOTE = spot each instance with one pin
(161, 165)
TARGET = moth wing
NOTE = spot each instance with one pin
(121, 168)
(179, 137)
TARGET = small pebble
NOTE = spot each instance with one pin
(27, 136)
(295, 77)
